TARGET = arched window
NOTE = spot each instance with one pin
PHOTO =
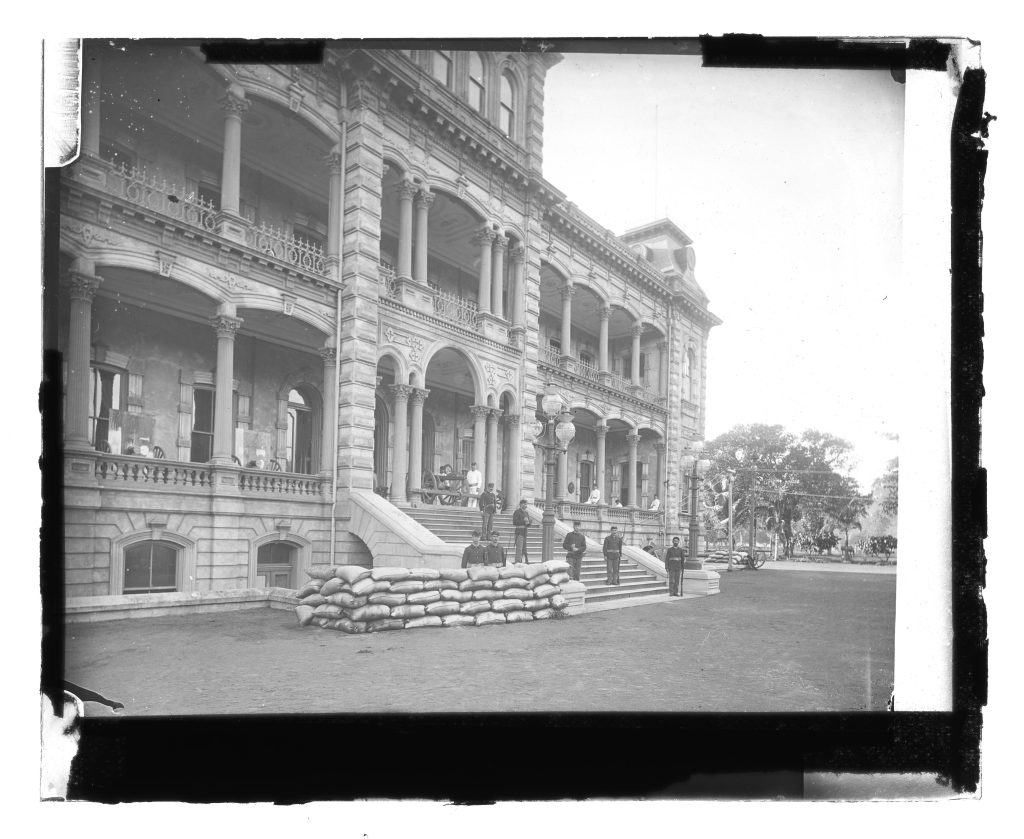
(299, 451)
(441, 66)
(150, 567)
(275, 565)
(507, 117)
(476, 82)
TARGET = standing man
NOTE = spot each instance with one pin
(575, 544)
(494, 553)
(473, 481)
(488, 504)
(474, 553)
(612, 554)
(521, 521)
(674, 558)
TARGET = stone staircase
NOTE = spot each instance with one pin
(456, 524)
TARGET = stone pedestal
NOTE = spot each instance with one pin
(701, 582)
(493, 327)
(576, 594)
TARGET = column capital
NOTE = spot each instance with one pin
(663, 345)
(500, 242)
(495, 414)
(480, 411)
(637, 330)
(660, 446)
(424, 199)
(512, 420)
(82, 286)
(234, 102)
(329, 355)
(401, 392)
(332, 160)
(600, 429)
(568, 290)
(418, 395)
(518, 253)
(406, 190)
(225, 325)
(484, 237)
(633, 439)
(605, 312)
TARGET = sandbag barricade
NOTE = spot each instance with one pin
(353, 599)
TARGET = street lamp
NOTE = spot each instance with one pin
(560, 431)
(696, 469)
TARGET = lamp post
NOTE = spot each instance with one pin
(557, 436)
(696, 469)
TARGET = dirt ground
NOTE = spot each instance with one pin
(805, 640)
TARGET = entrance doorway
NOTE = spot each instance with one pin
(275, 565)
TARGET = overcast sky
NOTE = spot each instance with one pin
(789, 183)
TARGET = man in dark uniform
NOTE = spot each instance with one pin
(575, 544)
(612, 549)
(474, 553)
(494, 553)
(674, 558)
(521, 521)
(488, 504)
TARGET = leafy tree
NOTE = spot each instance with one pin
(891, 487)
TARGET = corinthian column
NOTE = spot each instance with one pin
(567, 292)
(419, 269)
(82, 284)
(498, 276)
(335, 201)
(399, 471)
(602, 354)
(416, 399)
(406, 190)
(491, 475)
(480, 414)
(234, 104)
(512, 476)
(484, 239)
(330, 356)
(634, 442)
(226, 325)
(636, 332)
(601, 431)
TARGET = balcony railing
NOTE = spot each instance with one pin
(454, 309)
(389, 285)
(552, 355)
(272, 241)
(588, 372)
(280, 484)
(139, 187)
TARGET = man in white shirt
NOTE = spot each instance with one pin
(656, 503)
(473, 481)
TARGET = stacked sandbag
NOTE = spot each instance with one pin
(724, 556)
(354, 599)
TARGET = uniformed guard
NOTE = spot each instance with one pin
(575, 544)
(521, 521)
(674, 558)
(488, 504)
(494, 553)
(474, 553)
(612, 554)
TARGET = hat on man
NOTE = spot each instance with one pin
(494, 534)
(476, 534)
(614, 527)
(577, 523)
(675, 539)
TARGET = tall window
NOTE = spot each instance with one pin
(507, 118)
(202, 424)
(300, 434)
(476, 82)
(441, 66)
(688, 375)
(105, 396)
(150, 567)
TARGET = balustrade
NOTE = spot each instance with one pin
(140, 470)
(145, 190)
(454, 309)
(388, 280)
(279, 483)
(272, 241)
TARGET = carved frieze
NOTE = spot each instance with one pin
(90, 235)
(414, 344)
(494, 373)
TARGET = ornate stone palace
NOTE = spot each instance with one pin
(283, 288)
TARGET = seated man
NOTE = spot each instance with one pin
(656, 503)
(595, 497)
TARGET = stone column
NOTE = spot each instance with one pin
(518, 287)
(330, 356)
(602, 354)
(480, 414)
(419, 269)
(484, 239)
(636, 332)
(663, 369)
(634, 442)
(234, 104)
(515, 443)
(226, 325)
(82, 283)
(491, 471)
(416, 399)
(334, 204)
(498, 276)
(659, 485)
(400, 448)
(601, 431)
(406, 190)
(562, 476)
(567, 292)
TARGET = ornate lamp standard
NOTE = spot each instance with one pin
(557, 438)
(695, 470)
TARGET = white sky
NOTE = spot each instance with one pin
(789, 183)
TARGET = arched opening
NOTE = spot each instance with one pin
(383, 462)
(276, 565)
(453, 393)
(150, 567)
(303, 433)
(507, 106)
(429, 457)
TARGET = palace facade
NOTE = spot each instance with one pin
(284, 288)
